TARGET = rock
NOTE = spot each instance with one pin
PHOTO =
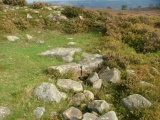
(38, 112)
(77, 99)
(72, 113)
(90, 63)
(135, 101)
(98, 106)
(62, 17)
(12, 38)
(40, 42)
(29, 37)
(89, 116)
(4, 111)
(61, 52)
(112, 75)
(47, 92)
(71, 43)
(68, 84)
(29, 16)
(63, 69)
(35, 11)
(89, 95)
(94, 80)
(81, 18)
(48, 8)
(111, 115)
(50, 16)
(145, 84)
(64, 95)
(131, 72)
(56, 13)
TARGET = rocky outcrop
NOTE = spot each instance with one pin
(135, 101)
(113, 75)
(68, 84)
(47, 92)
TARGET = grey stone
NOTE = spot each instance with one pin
(135, 101)
(50, 16)
(145, 84)
(64, 95)
(88, 94)
(90, 63)
(62, 69)
(89, 116)
(132, 72)
(68, 84)
(113, 75)
(111, 115)
(40, 42)
(98, 106)
(71, 43)
(48, 8)
(62, 17)
(4, 111)
(35, 11)
(12, 38)
(77, 99)
(56, 13)
(97, 84)
(81, 18)
(47, 92)
(29, 16)
(38, 112)
(61, 52)
(29, 37)
(72, 113)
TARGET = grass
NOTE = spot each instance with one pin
(21, 69)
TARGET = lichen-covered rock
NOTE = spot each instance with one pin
(88, 94)
(77, 99)
(111, 115)
(68, 84)
(47, 92)
(89, 116)
(38, 112)
(135, 101)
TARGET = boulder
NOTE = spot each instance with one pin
(72, 113)
(68, 84)
(4, 111)
(71, 43)
(67, 68)
(88, 94)
(47, 92)
(94, 80)
(89, 116)
(62, 52)
(113, 75)
(98, 106)
(38, 112)
(12, 38)
(135, 101)
(111, 115)
(90, 63)
(77, 99)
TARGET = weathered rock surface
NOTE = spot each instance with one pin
(4, 111)
(77, 99)
(65, 53)
(47, 92)
(29, 16)
(90, 63)
(38, 112)
(94, 80)
(88, 94)
(71, 43)
(131, 72)
(68, 84)
(62, 69)
(111, 115)
(145, 84)
(113, 75)
(89, 116)
(29, 37)
(135, 101)
(72, 113)
(12, 38)
(98, 106)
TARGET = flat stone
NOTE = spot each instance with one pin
(61, 52)
(4, 111)
(89, 116)
(63, 69)
(47, 92)
(68, 84)
(72, 113)
(12, 38)
(113, 75)
(98, 106)
(71, 43)
(135, 101)
(111, 115)
(38, 112)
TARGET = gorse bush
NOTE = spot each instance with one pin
(38, 5)
(8, 27)
(15, 2)
(21, 23)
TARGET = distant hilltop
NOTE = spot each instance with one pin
(116, 4)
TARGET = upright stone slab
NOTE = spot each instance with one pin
(135, 101)
(47, 92)
(113, 75)
(111, 115)
(68, 84)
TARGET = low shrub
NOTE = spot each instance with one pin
(21, 23)
(15, 2)
(8, 27)
(38, 5)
